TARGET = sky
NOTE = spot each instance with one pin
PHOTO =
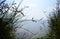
(36, 8)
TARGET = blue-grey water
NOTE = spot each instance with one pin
(33, 29)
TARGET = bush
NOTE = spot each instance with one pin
(7, 20)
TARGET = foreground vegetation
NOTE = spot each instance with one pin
(7, 19)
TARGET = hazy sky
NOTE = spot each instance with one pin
(36, 7)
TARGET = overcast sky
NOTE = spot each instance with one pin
(36, 7)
